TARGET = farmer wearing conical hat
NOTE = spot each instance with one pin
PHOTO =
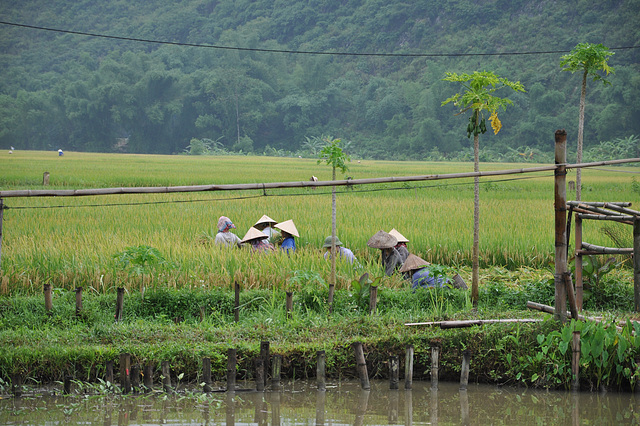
(391, 260)
(257, 240)
(224, 236)
(402, 244)
(343, 252)
(289, 231)
(420, 274)
(265, 224)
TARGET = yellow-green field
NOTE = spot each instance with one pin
(70, 241)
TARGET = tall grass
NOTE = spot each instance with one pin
(74, 245)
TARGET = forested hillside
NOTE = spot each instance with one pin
(86, 93)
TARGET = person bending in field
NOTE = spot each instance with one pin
(288, 232)
(420, 275)
(266, 225)
(343, 252)
(391, 258)
(224, 236)
(258, 241)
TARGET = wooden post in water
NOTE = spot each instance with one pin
(108, 375)
(289, 303)
(119, 304)
(408, 368)
(435, 365)
(361, 365)
(231, 370)
(135, 378)
(78, 301)
(147, 378)
(48, 299)
(16, 384)
(394, 372)
(66, 387)
(264, 354)
(575, 361)
(560, 205)
(636, 264)
(206, 374)
(125, 378)
(276, 369)
(321, 370)
(464, 371)
(236, 306)
(166, 377)
(259, 363)
(45, 179)
(373, 299)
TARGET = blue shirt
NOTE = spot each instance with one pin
(422, 278)
(289, 243)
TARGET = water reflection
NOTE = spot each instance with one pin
(343, 403)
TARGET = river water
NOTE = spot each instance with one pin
(343, 403)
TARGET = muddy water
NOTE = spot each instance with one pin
(344, 403)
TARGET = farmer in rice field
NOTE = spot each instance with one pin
(224, 236)
(343, 252)
(265, 224)
(391, 259)
(258, 241)
(288, 232)
(402, 244)
(420, 275)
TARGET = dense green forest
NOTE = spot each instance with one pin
(86, 93)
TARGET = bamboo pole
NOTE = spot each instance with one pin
(373, 299)
(435, 366)
(321, 377)
(578, 262)
(78, 301)
(394, 372)
(119, 304)
(289, 303)
(469, 323)
(276, 369)
(361, 366)
(231, 370)
(575, 361)
(259, 365)
(464, 370)
(636, 264)
(606, 250)
(206, 374)
(550, 310)
(301, 184)
(264, 354)
(560, 206)
(48, 299)
(166, 377)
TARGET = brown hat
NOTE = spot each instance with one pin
(413, 262)
(265, 219)
(289, 227)
(382, 240)
(253, 234)
(401, 238)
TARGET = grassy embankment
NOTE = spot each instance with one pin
(74, 246)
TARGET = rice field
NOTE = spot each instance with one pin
(71, 241)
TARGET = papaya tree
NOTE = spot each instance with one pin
(333, 155)
(478, 98)
(591, 60)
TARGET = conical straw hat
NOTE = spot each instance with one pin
(289, 227)
(401, 238)
(413, 262)
(253, 234)
(382, 240)
(265, 219)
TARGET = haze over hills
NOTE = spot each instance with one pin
(81, 92)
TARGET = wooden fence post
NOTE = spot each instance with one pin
(373, 299)
(66, 387)
(408, 368)
(575, 361)
(259, 364)
(231, 370)
(16, 384)
(125, 378)
(108, 375)
(147, 378)
(45, 179)
(78, 301)
(48, 298)
(135, 378)
(289, 303)
(321, 370)
(276, 369)
(119, 304)
(264, 354)
(560, 206)
(636, 264)
(166, 377)
(206, 374)
(361, 366)
(578, 262)
(464, 371)
(394, 372)
(435, 366)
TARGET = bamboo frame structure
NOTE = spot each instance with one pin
(612, 211)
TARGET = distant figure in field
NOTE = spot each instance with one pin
(343, 252)
(265, 224)
(313, 179)
(258, 241)
(420, 275)
(224, 236)
(402, 244)
(391, 259)
(60, 153)
(289, 231)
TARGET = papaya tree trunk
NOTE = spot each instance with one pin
(475, 255)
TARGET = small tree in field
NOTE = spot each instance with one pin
(478, 97)
(333, 155)
(590, 59)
